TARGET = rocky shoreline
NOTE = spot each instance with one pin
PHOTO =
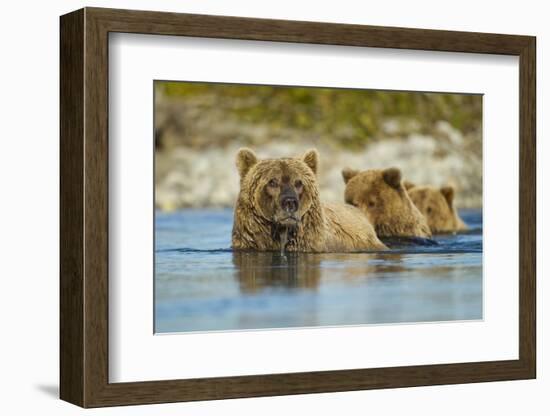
(191, 177)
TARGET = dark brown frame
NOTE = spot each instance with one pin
(84, 207)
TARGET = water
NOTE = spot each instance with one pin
(202, 285)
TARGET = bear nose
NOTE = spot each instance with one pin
(290, 204)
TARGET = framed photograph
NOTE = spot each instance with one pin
(254, 207)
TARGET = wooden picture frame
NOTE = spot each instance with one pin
(84, 207)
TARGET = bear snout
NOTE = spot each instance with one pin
(289, 203)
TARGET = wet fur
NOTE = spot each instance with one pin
(322, 228)
(437, 205)
(393, 213)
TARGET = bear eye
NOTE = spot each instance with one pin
(273, 183)
(429, 210)
(298, 183)
(371, 204)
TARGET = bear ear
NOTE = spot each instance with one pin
(348, 173)
(246, 158)
(408, 184)
(449, 194)
(311, 158)
(392, 176)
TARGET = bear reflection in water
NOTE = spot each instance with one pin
(256, 271)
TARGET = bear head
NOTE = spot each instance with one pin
(380, 194)
(281, 191)
(437, 205)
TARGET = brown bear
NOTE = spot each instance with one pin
(437, 205)
(279, 208)
(381, 195)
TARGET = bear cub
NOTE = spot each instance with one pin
(437, 205)
(381, 196)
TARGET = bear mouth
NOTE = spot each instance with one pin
(284, 218)
(288, 221)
